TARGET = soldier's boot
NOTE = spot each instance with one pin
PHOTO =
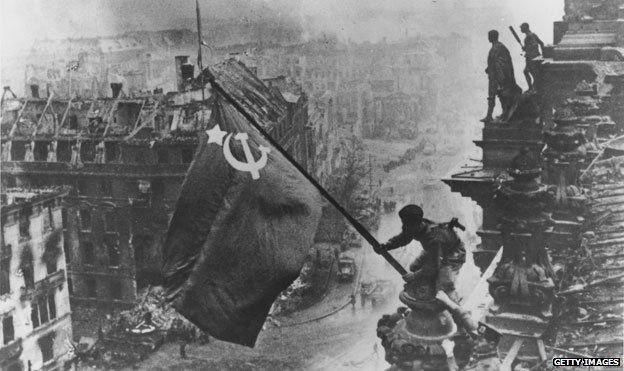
(462, 317)
(506, 104)
(488, 116)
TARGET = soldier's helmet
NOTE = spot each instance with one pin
(493, 35)
(411, 213)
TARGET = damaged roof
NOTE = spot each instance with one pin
(155, 117)
(15, 198)
(262, 102)
(122, 118)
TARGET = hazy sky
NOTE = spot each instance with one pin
(22, 21)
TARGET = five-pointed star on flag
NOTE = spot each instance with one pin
(215, 135)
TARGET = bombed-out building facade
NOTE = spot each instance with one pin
(35, 315)
(139, 60)
(370, 82)
(124, 159)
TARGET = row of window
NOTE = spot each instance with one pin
(26, 270)
(22, 151)
(43, 310)
(156, 190)
(106, 188)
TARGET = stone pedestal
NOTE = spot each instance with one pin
(564, 157)
(522, 285)
(564, 153)
(414, 337)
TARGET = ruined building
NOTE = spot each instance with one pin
(140, 60)
(34, 293)
(124, 159)
(376, 86)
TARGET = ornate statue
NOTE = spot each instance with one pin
(522, 285)
(565, 155)
(524, 276)
(419, 336)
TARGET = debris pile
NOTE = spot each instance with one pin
(593, 296)
(132, 335)
(163, 316)
(298, 294)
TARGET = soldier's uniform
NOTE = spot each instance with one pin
(531, 49)
(443, 252)
(501, 79)
(531, 45)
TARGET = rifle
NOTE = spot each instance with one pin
(454, 223)
(515, 35)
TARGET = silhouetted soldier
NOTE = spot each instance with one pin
(532, 44)
(501, 79)
(443, 252)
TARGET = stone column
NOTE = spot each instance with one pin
(565, 156)
(522, 285)
(425, 333)
(564, 153)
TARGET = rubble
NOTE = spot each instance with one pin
(164, 317)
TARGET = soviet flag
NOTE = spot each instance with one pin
(242, 227)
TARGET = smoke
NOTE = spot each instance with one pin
(372, 20)
(26, 20)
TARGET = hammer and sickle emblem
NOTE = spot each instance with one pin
(252, 166)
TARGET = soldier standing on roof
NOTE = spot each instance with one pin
(532, 44)
(443, 252)
(501, 80)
